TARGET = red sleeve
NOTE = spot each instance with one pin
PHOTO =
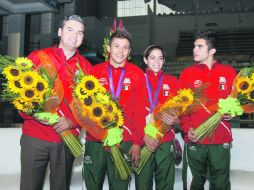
(23, 115)
(139, 110)
(185, 120)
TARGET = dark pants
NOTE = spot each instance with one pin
(36, 155)
(97, 163)
(212, 159)
(161, 165)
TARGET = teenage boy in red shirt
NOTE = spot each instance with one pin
(213, 153)
(125, 81)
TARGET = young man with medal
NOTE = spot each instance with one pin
(125, 82)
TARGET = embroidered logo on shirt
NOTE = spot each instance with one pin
(222, 83)
(198, 83)
(127, 81)
(103, 81)
(165, 87)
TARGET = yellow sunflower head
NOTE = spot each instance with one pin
(24, 62)
(89, 84)
(18, 104)
(12, 73)
(78, 91)
(186, 96)
(98, 110)
(104, 120)
(29, 79)
(41, 85)
(89, 101)
(14, 86)
(29, 94)
(111, 107)
(243, 85)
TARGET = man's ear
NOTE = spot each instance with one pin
(212, 51)
(59, 33)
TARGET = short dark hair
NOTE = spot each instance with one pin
(120, 33)
(150, 48)
(72, 17)
(208, 36)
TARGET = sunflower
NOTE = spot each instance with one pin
(186, 96)
(102, 98)
(243, 85)
(79, 92)
(18, 104)
(24, 62)
(119, 118)
(12, 73)
(97, 110)
(14, 86)
(111, 107)
(29, 95)
(41, 85)
(89, 84)
(105, 120)
(29, 79)
(89, 100)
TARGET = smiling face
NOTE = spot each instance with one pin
(119, 51)
(71, 34)
(155, 60)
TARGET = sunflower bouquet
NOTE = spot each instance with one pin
(240, 100)
(97, 112)
(36, 91)
(185, 102)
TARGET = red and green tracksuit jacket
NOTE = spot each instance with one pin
(168, 89)
(218, 81)
(131, 98)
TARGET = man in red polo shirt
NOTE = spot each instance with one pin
(125, 81)
(41, 144)
(213, 153)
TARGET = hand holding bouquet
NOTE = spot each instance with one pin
(185, 102)
(98, 114)
(36, 91)
(241, 100)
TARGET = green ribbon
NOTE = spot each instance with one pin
(152, 131)
(231, 106)
(49, 117)
(115, 136)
